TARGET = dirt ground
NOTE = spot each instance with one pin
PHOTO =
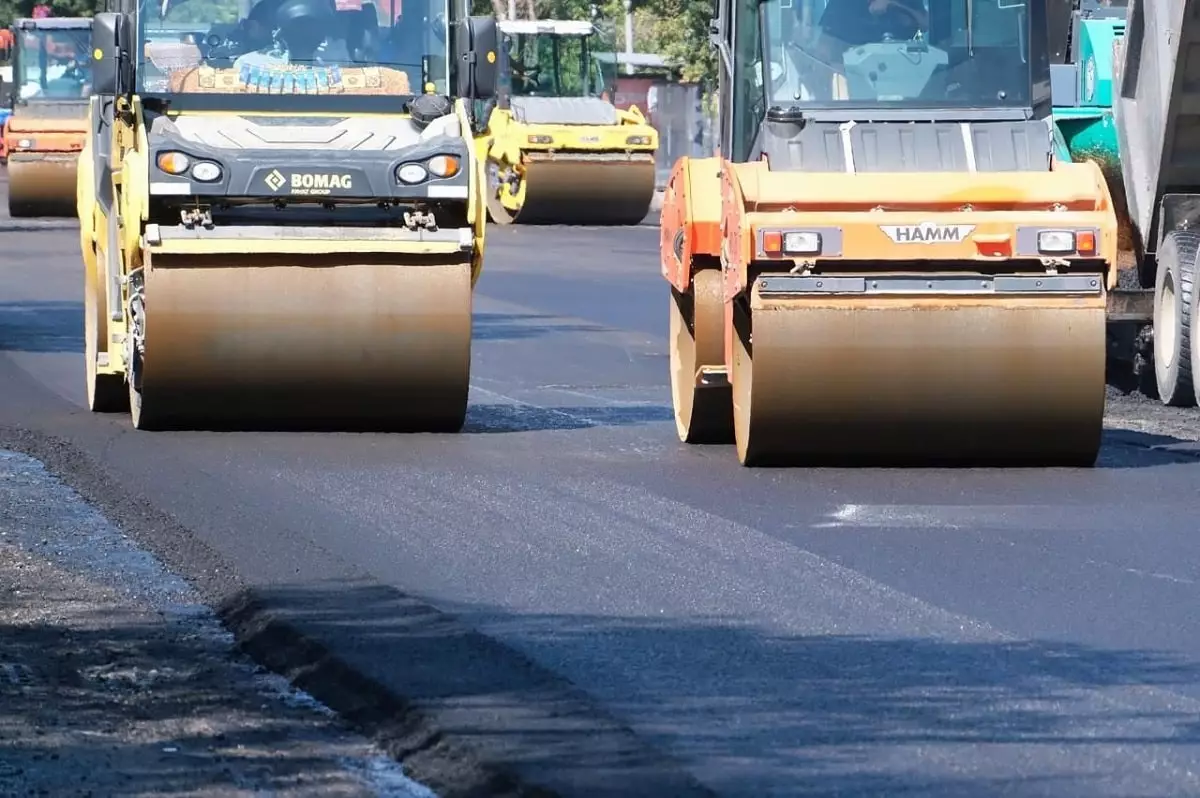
(112, 684)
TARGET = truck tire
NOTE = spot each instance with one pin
(1173, 303)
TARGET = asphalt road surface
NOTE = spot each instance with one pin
(565, 596)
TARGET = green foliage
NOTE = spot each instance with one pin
(683, 37)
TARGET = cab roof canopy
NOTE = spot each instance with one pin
(54, 23)
(558, 27)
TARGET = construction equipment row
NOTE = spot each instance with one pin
(909, 248)
(558, 150)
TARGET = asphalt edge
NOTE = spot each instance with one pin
(412, 737)
(405, 733)
(450, 771)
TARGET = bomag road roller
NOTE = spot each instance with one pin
(557, 150)
(281, 215)
(887, 263)
(45, 133)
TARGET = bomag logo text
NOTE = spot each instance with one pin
(318, 183)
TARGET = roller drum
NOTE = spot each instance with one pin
(324, 343)
(985, 380)
(584, 190)
(42, 185)
(702, 399)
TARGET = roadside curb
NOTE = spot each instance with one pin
(404, 733)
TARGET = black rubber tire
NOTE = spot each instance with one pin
(1194, 343)
(1173, 303)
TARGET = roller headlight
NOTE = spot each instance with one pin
(206, 172)
(25, 144)
(411, 173)
(173, 163)
(541, 140)
(638, 141)
(1056, 241)
(802, 243)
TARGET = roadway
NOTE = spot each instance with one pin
(569, 596)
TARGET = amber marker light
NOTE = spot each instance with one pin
(173, 163)
(443, 166)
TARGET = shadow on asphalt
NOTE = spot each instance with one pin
(818, 715)
(41, 326)
(149, 707)
(523, 326)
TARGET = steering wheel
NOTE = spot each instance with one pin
(215, 47)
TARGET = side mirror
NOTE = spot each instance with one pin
(108, 54)
(478, 77)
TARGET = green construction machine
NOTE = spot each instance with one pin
(1087, 39)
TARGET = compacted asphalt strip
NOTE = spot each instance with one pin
(563, 597)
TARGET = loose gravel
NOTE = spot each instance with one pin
(116, 681)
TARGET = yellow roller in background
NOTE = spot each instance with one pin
(558, 151)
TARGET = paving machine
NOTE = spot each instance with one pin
(1084, 37)
(1085, 46)
(282, 223)
(558, 151)
(888, 262)
(45, 133)
(1158, 129)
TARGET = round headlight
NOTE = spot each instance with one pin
(206, 172)
(411, 173)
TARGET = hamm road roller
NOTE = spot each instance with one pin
(283, 223)
(45, 133)
(887, 263)
(557, 150)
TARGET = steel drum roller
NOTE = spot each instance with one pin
(703, 403)
(42, 185)
(376, 343)
(582, 189)
(984, 380)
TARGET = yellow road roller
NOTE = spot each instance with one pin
(557, 150)
(282, 224)
(888, 264)
(43, 137)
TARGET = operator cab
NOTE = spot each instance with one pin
(254, 38)
(898, 53)
(551, 58)
(51, 61)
